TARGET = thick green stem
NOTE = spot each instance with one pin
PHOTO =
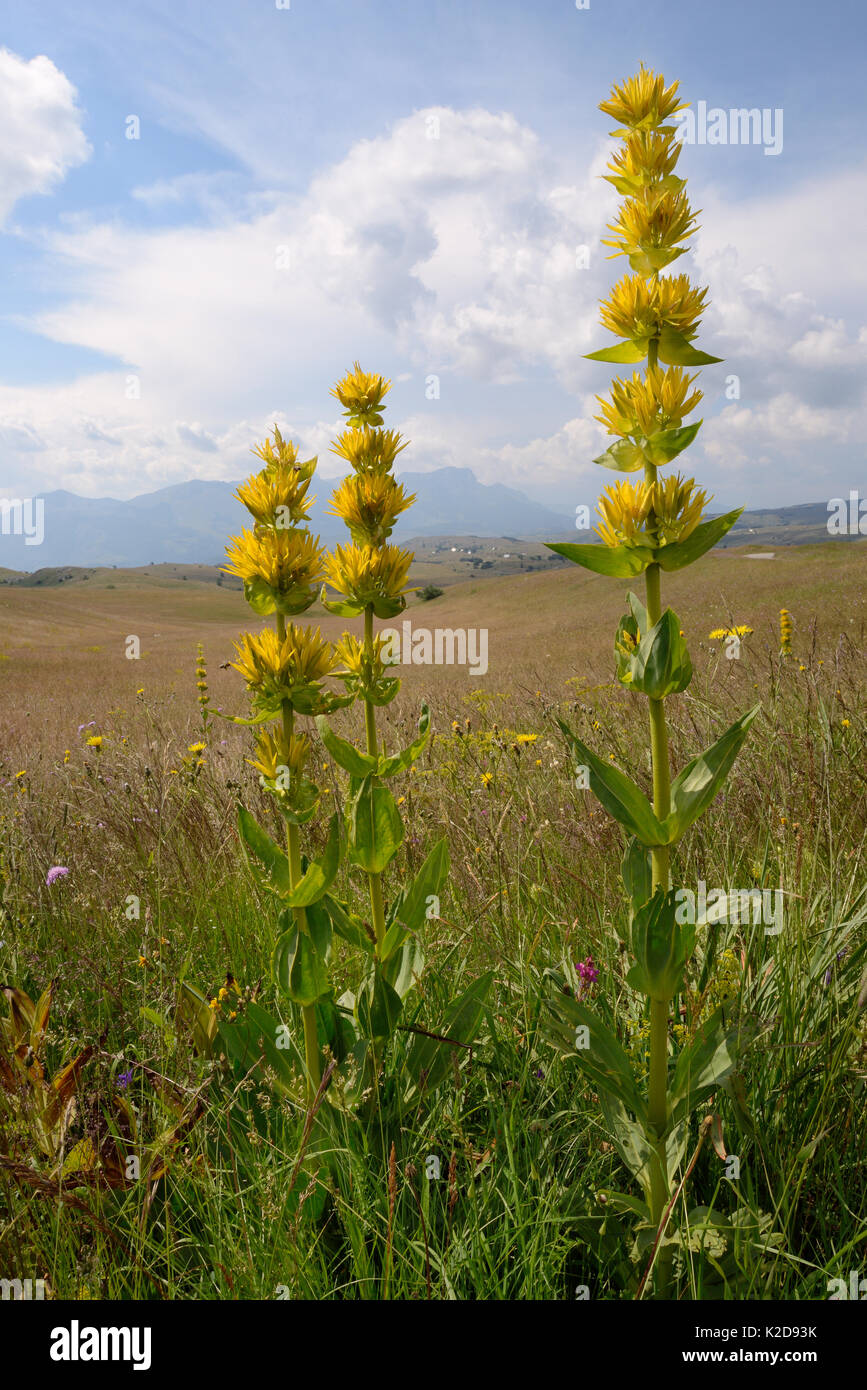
(377, 907)
(293, 848)
(657, 1098)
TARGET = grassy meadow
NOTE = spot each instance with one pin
(496, 1189)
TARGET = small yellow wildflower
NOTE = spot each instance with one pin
(487, 778)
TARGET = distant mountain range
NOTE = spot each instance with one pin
(189, 522)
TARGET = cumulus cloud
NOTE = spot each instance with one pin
(41, 124)
(451, 244)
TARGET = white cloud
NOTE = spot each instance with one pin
(455, 255)
(41, 124)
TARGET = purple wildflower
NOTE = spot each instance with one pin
(587, 972)
(58, 871)
(124, 1079)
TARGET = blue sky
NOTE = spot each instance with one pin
(285, 210)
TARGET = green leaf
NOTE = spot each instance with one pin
(428, 1061)
(677, 351)
(627, 351)
(299, 968)
(603, 1059)
(402, 965)
(696, 786)
(637, 871)
(622, 457)
(375, 827)
(621, 798)
(681, 553)
(347, 925)
(399, 762)
(409, 911)
(377, 1007)
(320, 873)
(342, 608)
(651, 258)
(702, 1066)
(260, 843)
(345, 754)
(663, 447)
(661, 946)
(661, 665)
(618, 562)
(389, 607)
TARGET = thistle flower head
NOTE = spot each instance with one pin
(642, 102)
(639, 309)
(370, 503)
(642, 406)
(369, 450)
(280, 568)
(365, 574)
(361, 395)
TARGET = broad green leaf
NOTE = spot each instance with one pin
(321, 873)
(341, 608)
(637, 871)
(375, 827)
(677, 351)
(622, 457)
(299, 968)
(266, 851)
(696, 786)
(409, 912)
(389, 607)
(661, 947)
(702, 1066)
(621, 797)
(663, 447)
(402, 965)
(428, 1061)
(345, 754)
(399, 762)
(618, 562)
(651, 258)
(661, 665)
(603, 1058)
(627, 351)
(681, 553)
(347, 925)
(377, 1007)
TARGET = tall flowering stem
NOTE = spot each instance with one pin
(653, 525)
(281, 564)
(370, 576)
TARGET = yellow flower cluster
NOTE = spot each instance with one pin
(278, 668)
(785, 632)
(643, 406)
(650, 514)
(280, 569)
(370, 573)
(640, 309)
